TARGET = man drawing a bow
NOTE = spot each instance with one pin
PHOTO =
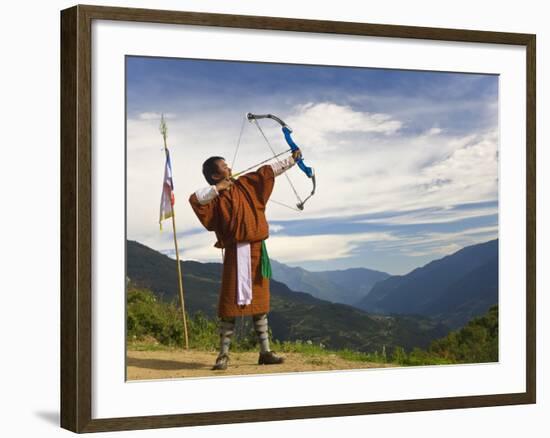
(235, 210)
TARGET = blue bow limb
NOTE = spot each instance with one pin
(306, 169)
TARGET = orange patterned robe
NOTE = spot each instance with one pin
(238, 215)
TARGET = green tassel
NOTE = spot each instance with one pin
(266, 265)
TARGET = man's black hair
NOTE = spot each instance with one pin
(209, 168)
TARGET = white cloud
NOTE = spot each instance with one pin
(190, 142)
(291, 249)
(365, 174)
(197, 246)
(441, 243)
(444, 215)
(286, 249)
(330, 247)
(434, 131)
(473, 164)
(155, 116)
(440, 250)
(319, 124)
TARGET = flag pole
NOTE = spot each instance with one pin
(163, 130)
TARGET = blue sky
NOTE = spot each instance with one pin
(406, 161)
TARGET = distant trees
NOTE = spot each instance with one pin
(155, 322)
(477, 342)
(148, 317)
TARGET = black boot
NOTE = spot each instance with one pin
(221, 362)
(269, 358)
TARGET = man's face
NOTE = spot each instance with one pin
(224, 171)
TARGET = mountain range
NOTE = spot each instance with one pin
(453, 289)
(408, 310)
(294, 315)
(346, 286)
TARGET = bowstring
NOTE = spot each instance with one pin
(285, 205)
(274, 155)
(238, 142)
(285, 173)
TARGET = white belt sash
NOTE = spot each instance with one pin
(244, 274)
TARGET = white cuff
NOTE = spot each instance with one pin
(206, 194)
(282, 165)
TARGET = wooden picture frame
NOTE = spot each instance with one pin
(76, 217)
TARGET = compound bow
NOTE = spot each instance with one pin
(287, 131)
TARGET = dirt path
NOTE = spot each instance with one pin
(146, 365)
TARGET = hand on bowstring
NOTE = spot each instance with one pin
(224, 184)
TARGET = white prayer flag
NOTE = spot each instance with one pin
(167, 199)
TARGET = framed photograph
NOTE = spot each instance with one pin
(355, 226)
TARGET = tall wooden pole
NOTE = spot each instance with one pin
(180, 282)
(163, 131)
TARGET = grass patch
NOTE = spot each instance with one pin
(153, 325)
